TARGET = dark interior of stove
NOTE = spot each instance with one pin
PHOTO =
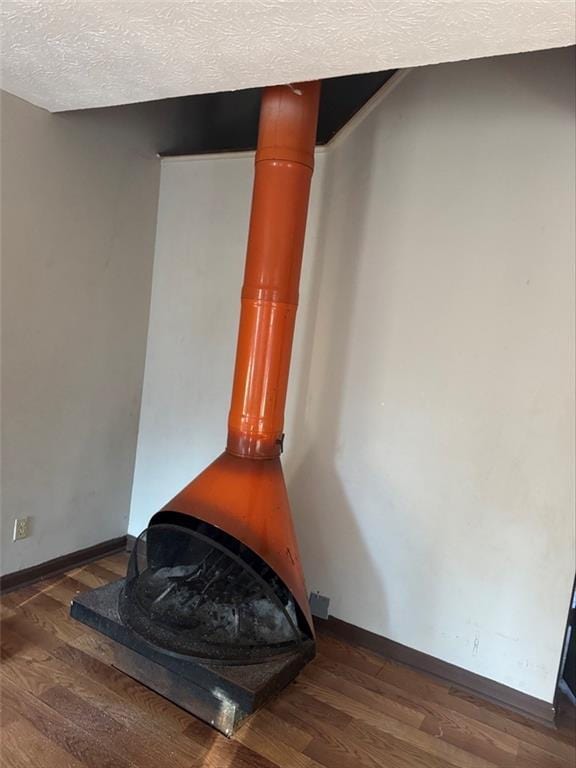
(193, 589)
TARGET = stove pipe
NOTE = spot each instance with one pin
(284, 164)
(243, 492)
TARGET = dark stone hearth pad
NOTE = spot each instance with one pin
(221, 695)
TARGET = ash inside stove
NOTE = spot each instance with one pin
(200, 593)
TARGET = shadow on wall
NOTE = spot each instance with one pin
(317, 493)
(360, 511)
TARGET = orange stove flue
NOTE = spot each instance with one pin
(243, 492)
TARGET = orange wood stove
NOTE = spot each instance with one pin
(213, 612)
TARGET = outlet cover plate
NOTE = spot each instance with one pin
(21, 528)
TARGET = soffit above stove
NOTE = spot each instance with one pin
(63, 54)
(228, 121)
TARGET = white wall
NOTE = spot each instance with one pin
(79, 204)
(430, 434)
(201, 241)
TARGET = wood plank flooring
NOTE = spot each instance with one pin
(65, 706)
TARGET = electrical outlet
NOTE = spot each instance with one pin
(21, 528)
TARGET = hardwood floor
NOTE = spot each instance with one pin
(65, 706)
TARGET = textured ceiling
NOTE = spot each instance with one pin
(72, 54)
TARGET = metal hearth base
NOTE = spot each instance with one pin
(220, 695)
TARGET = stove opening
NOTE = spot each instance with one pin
(193, 589)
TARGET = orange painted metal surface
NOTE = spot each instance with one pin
(284, 164)
(243, 492)
(248, 500)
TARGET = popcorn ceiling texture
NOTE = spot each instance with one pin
(69, 54)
